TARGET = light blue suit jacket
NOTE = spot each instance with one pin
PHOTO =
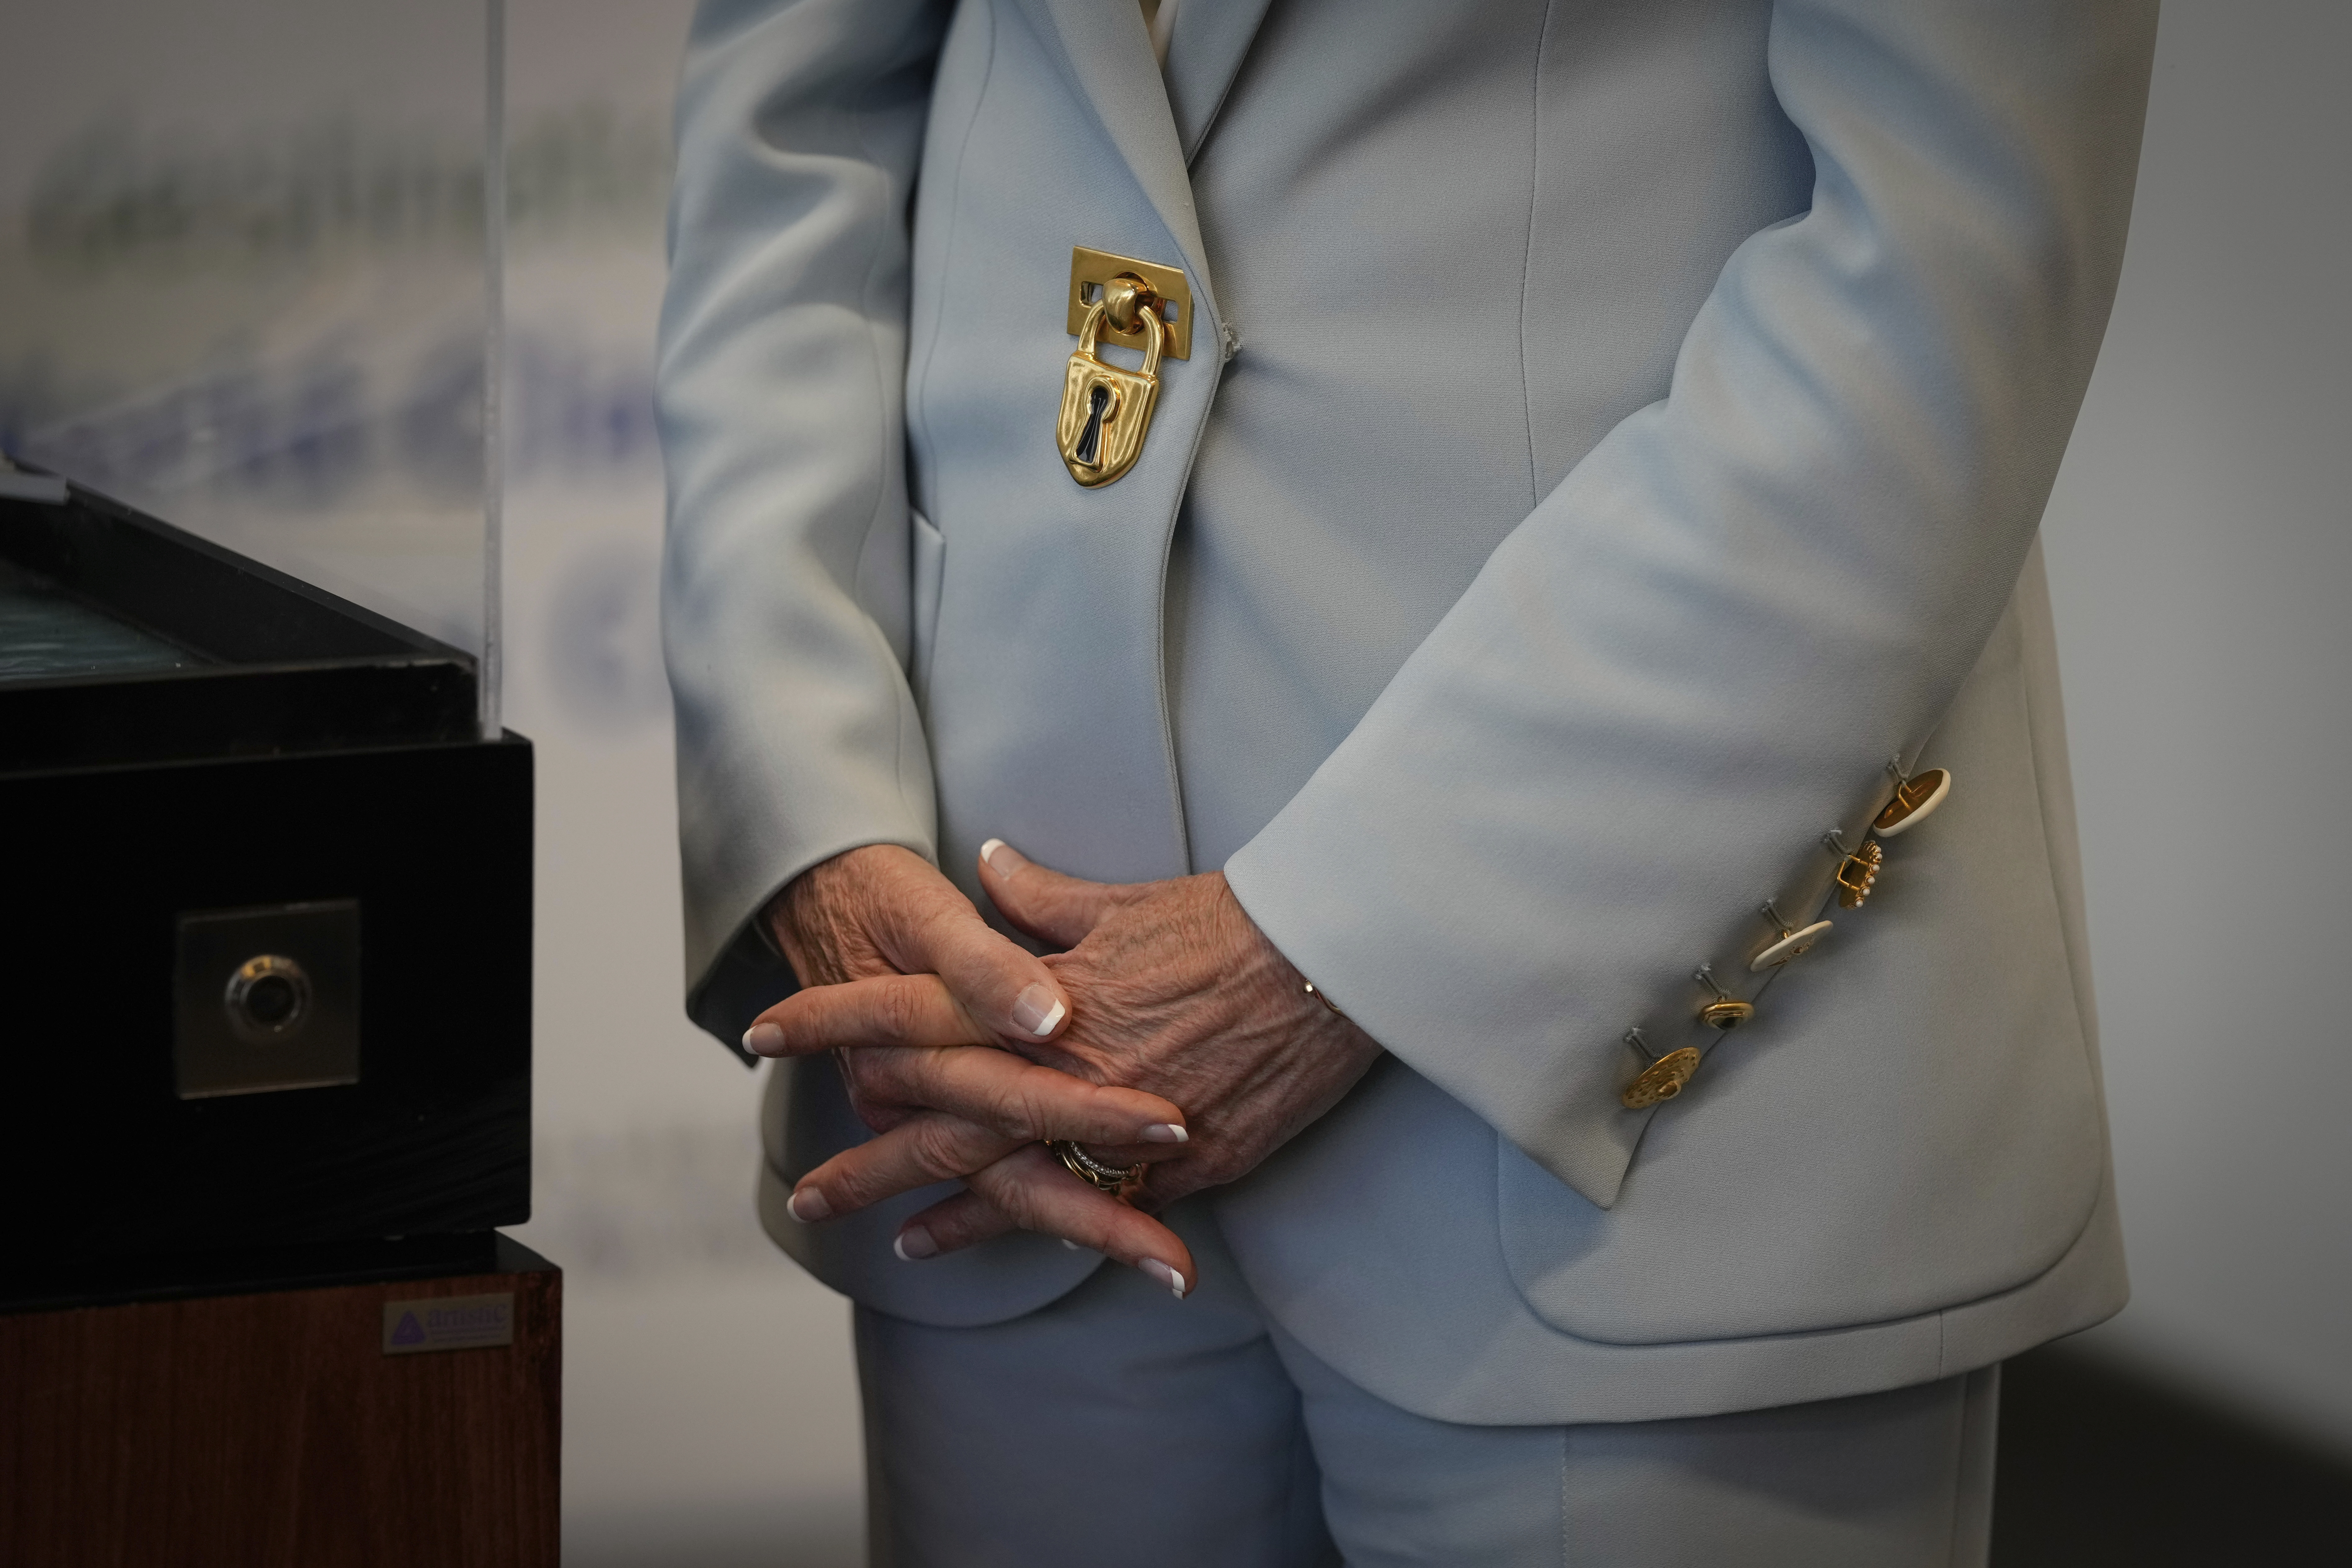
(1613, 432)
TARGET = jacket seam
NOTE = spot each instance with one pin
(1566, 1434)
(1170, 759)
(1527, 248)
(1208, 121)
(909, 715)
(919, 418)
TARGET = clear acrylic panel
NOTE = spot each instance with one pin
(246, 284)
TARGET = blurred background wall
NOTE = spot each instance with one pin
(2200, 549)
(710, 1411)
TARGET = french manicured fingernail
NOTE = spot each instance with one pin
(988, 854)
(1166, 1133)
(1165, 1275)
(763, 1039)
(915, 1244)
(808, 1206)
(1035, 1011)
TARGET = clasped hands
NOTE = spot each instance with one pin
(1163, 1030)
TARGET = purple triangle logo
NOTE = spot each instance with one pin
(408, 1331)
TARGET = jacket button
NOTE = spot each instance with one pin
(1792, 944)
(1858, 873)
(1913, 800)
(1727, 1014)
(1662, 1079)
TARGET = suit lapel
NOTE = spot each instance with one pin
(1108, 54)
(1205, 55)
(1097, 695)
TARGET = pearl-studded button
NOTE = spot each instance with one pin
(1857, 874)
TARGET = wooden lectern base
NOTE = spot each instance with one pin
(411, 1422)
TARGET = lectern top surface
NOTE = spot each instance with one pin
(45, 632)
(123, 640)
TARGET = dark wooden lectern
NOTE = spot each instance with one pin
(392, 1403)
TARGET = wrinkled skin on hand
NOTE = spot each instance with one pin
(1172, 990)
(880, 924)
(1176, 991)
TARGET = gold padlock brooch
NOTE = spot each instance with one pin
(1106, 410)
(1129, 303)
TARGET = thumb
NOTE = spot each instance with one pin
(1046, 904)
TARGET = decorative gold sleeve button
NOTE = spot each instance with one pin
(1915, 798)
(1855, 877)
(1857, 873)
(1726, 1011)
(1789, 944)
(1663, 1079)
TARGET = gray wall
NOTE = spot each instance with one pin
(710, 1413)
(2202, 558)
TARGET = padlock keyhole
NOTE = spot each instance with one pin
(1090, 439)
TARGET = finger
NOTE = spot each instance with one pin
(1030, 1189)
(926, 927)
(923, 1149)
(1021, 1100)
(884, 1010)
(970, 1218)
(943, 1141)
(1046, 904)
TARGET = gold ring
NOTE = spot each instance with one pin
(1111, 1179)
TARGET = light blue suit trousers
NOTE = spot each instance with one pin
(1120, 1427)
